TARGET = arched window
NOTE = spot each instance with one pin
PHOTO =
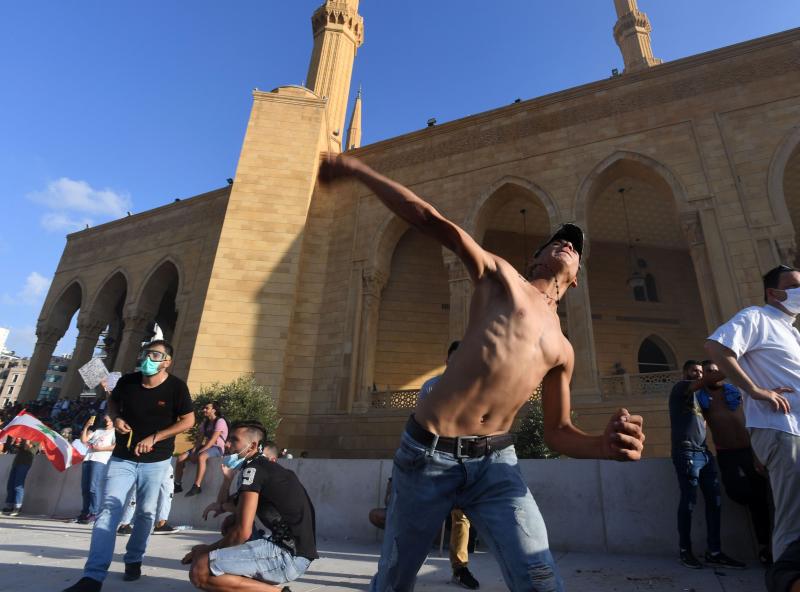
(655, 356)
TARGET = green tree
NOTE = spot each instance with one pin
(242, 399)
(530, 437)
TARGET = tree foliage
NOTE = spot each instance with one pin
(243, 399)
(530, 437)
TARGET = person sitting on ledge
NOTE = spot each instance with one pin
(270, 496)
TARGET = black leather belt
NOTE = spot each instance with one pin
(460, 446)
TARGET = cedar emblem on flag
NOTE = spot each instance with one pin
(56, 448)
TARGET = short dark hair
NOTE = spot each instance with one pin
(270, 445)
(706, 363)
(773, 277)
(453, 347)
(255, 430)
(163, 343)
(689, 363)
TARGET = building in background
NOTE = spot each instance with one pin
(12, 377)
(685, 175)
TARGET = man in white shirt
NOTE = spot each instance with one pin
(759, 351)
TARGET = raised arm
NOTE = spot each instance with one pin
(414, 210)
(725, 358)
(623, 438)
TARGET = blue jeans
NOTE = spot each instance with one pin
(93, 475)
(698, 467)
(15, 486)
(427, 484)
(120, 477)
(164, 505)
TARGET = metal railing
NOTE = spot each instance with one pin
(649, 384)
(394, 399)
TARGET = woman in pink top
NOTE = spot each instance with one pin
(210, 442)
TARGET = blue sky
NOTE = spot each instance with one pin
(114, 106)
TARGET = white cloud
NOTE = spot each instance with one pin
(32, 293)
(36, 286)
(74, 204)
(57, 221)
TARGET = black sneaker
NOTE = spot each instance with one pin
(195, 490)
(722, 560)
(164, 529)
(465, 579)
(689, 560)
(133, 571)
(177, 488)
(124, 530)
(85, 585)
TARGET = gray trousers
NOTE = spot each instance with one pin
(780, 453)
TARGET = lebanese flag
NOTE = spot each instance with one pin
(56, 448)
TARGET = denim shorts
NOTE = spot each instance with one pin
(260, 560)
(213, 452)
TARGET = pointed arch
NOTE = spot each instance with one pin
(62, 308)
(385, 240)
(603, 173)
(655, 354)
(114, 285)
(158, 270)
(776, 176)
(475, 221)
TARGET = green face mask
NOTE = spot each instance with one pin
(148, 367)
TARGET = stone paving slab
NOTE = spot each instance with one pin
(47, 555)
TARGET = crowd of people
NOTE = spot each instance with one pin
(456, 456)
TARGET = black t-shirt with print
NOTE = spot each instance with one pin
(283, 505)
(147, 411)
(687, 425)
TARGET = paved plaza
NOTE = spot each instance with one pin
(47, 555)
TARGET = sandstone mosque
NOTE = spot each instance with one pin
(685, 176)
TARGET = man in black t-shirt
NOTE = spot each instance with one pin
(149, 409)
(269, 497)
(695, 465)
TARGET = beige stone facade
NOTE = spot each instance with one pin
(685, 175)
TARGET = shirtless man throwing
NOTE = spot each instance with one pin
(456, 450)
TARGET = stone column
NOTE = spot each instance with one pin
(89, 329)
(46, 339)
(373, 282)
(460, 295)
(181, 305)
(585, 379)
(134, 330)
(704, 272)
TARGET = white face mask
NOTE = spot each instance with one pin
(792, 302)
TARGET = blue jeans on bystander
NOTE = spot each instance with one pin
(697, 467)
(120, 477)
(15, 486)
(93, 476)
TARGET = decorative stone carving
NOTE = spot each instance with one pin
(339, 12)
(373, 281)
(88, 325)
(692, 228)
(48, 334)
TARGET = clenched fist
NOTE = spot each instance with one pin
(623, 438)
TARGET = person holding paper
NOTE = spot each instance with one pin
(99, 443)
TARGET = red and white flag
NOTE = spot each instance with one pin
(56, 448)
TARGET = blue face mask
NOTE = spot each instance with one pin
(233, 461)
(148, 367)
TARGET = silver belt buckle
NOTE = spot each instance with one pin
(459, 445)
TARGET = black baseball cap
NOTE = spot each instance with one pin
(570, 232)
